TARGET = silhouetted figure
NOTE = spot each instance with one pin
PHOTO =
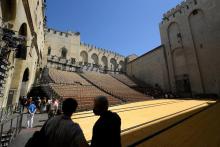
(61, 131)
(106, 131)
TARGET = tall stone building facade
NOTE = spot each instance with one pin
(27, 46)
(65, 51)
(20, 60)
(190, 34)
(187, 62)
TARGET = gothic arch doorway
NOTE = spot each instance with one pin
(24, 84)
(84, 57)
(104, 62)
(21, 52)
(121, 64)
(8, 9)
(95, 59)
(113, 64)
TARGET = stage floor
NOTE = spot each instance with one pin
(139, 113)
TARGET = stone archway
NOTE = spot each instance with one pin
(21, 52)
(113, 64)
(18, 70)
(84, 57)
(8, 10)
(121, 66)
(95, 59)
(104, 62)
(198, 27)
(24, 84)
(64, 52)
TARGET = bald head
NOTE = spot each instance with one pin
(100, 105)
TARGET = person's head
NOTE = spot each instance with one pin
(69, 106)
(100, 105)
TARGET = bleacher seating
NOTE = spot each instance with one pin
(114, 87)
(63, 77)
(83, 94)
(70, 84)
(154, 91)
(125, 79)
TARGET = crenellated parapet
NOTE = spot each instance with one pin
(178, 10)
(95, 48)
(62, 34)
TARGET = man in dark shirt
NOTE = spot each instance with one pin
(106, 131)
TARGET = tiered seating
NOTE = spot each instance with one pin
(70, 84)
(114, 87)
(125, 79)
(83, 94)
(63, 77)
(156, 92)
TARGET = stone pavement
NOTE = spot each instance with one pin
(25, 133)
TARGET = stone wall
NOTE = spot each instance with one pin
(58, 43)
(103, 57)
(150, 68)
(191, 36)
(27, 20)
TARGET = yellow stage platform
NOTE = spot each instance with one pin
(144, 118)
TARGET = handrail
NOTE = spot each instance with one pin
(6, 112)
(8, 134)
(10, 123)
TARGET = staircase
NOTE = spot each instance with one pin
(7, 137)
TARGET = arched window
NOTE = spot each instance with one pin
(49, 51)
(175, 37)
(8, 9)
(26, 75)
(84, 57)
(63, 52)
(113, 64)
(21, 48)
(121, 64)
(104, 62)
(95, 59)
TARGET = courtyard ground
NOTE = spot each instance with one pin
(25, 133)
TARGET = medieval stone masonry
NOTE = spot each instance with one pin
(187, 61)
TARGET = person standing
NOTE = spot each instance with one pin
(21, 104)
(43, 105)
(107, 129)
(30, 116)
(53, 108)
(38, 103)
(62, 131)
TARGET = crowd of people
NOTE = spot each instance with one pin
(38, 105)
(62, 131)
(157, 92)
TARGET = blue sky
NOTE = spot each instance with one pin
(124, 26)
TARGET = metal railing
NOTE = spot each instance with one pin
(10, 123)
(6, 112)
